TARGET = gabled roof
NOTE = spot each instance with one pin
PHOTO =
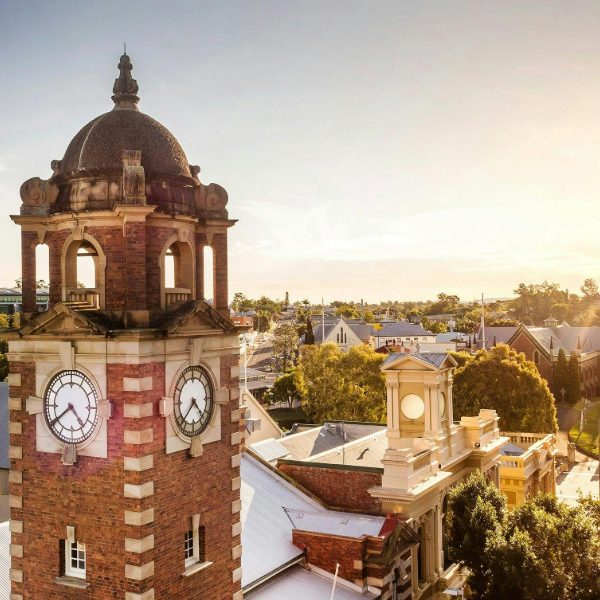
(501, 334)
(402, 329)
(436, 360)
(563, 337)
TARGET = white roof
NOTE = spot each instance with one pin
(298, 583)
(335, 523)
(266, 529)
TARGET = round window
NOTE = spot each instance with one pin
(412, 406)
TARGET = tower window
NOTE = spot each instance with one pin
(193, 543)
(75, 559)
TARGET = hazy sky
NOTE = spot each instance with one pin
(370, 149)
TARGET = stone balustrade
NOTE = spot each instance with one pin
(176, 296)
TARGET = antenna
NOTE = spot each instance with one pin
(124, 48)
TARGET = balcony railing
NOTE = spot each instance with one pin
(86, 297)
(177, 296)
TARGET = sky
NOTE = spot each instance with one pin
(370, 149)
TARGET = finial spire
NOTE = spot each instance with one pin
(125, 88)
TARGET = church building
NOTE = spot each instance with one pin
(125, 425)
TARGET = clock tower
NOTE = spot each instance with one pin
(125, 422)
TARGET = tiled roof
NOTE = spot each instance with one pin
(402, 329)
(567, 338)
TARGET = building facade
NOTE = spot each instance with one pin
(125, 426)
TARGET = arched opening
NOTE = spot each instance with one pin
(83, 273)
(42, 274)
(209, 269)
(178, 274)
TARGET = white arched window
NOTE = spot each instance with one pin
(177, 264)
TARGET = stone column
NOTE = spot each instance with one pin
(221, 296)
(439, 540)
(200, 242)
(428, 408)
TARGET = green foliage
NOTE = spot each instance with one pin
(347, 311)
(466, 325)
(4, 321)
(588, 439)
(309, 337)
(573, 381)
(285, 346)
(344, 386)
(561, 376)
(506, 381)
(241, 303)
(284, 389)
(461, 358)
(542, 549)
(433, 326)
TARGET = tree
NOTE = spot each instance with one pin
(284, 389)
(560, 376)
(309, 336)
(476, 510)
(573, 380)
(347, 311)
(542, 549)
(506, 381)
(434, 326)
(285, 346)
(345, 386)
(590, 292)
(240, 303)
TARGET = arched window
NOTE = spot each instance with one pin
(178, 274)
(42, 275)
(536, 357)
(83, 265)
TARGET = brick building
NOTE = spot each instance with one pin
(542, 345)
(402, 470)
(124, 401)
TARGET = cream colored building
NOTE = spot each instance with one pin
(527, 466)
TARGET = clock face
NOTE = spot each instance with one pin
(412, 406)
(71, 407)
(193, 401)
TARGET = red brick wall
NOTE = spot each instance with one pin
(55, 241)
(135, 266)
(90, 496)
(326, 551)
(338, 488)
(523, 343)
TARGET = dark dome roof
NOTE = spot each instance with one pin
(97, 149)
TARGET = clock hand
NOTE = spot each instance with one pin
(188, 410)
(69, 407)
(76, 415)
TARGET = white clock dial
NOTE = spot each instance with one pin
(412, 406)
(193, 401)
(71, 407)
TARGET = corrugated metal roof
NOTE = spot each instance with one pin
(331, 435)
(335, 523)
(402, 329)
(365, 452)
(4, 561)
(266, 529)
(298, 583)
(269, 450)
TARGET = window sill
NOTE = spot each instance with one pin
(199, 566)
(73, 582)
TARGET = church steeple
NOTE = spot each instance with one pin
(126, 88)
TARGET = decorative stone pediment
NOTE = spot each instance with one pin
(61, 319)
(198, 317)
